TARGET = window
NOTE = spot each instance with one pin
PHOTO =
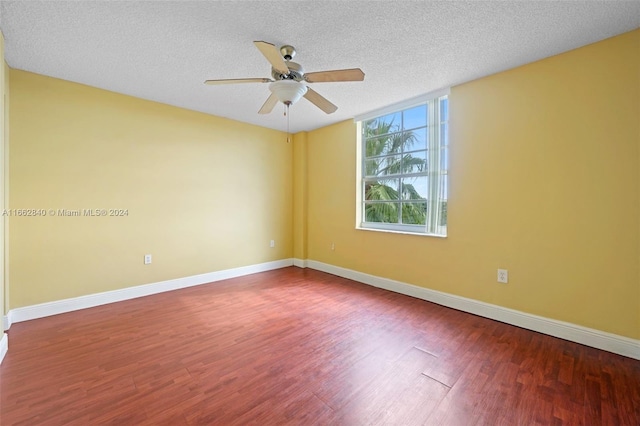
(403, 162)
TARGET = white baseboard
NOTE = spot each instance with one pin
(4, 346)
(6, 322)
(575, 333)
(67, 305)
(300, 263)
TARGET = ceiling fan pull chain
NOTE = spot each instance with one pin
(286, 112)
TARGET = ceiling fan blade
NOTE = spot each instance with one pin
(268, 105)
(320, 101)
(351, 74)
(238, 80)
(273, 56)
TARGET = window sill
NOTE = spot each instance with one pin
(391, 231)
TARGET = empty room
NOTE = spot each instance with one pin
(320, 213)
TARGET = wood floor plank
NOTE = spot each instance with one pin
(301, 347)
(413, 398)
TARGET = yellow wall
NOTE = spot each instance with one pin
(544, 181)
(203, 193)
(300, 192)
(4, 80)
(4, 186)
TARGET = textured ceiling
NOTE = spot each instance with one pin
(163, 51)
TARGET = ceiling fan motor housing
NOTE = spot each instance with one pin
(296, 72)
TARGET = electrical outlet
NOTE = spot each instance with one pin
(503, 276)
(333, 246)
(147, 259)
(272, 243)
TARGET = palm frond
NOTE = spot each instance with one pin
(382, 212)
(414, 213)
(409, 192)
(411, 164)
(380, 192)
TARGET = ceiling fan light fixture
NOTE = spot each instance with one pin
(288, 91)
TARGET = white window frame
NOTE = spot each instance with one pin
(437, 175)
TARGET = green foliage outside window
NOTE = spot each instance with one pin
(386, 199)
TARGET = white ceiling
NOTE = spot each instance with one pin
(164, 50)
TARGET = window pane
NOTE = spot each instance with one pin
(378, 146)
(382, 166)
(415, 188)
(415, 140)
(444, 134)
(414, 213)
(391, 165)
(443, 214)
(444, 187)
(415, 162)
(382, 125)
(381, 212)
(415, 117)
(382, 190)
(444, 158)
(371, 167)
(444, 109)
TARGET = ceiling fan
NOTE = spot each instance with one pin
(288, 79)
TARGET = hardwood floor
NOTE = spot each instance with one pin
(297, 346)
